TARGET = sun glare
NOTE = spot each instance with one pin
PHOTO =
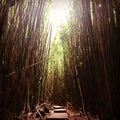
(59, 12)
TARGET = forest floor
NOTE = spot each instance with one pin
(41, 112)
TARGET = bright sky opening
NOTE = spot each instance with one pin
(58, 12)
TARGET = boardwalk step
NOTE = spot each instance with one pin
(58, 116)
(58, 107)
(59, 110)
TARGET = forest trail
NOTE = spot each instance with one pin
(56, 112)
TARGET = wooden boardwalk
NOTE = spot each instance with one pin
(59, 114)
(58, 107)
(60, 110)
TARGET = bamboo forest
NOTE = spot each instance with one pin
(59, 59)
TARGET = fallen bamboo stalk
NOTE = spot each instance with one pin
(29, 66)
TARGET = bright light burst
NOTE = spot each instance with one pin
(59, 11)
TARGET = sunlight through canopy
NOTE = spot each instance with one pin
(59, 12)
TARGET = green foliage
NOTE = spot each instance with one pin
(56, 53)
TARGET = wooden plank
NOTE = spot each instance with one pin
(59, 110)
(58, 107)
(58, 116)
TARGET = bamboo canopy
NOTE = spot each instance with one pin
(81, 67)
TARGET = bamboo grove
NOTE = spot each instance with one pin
(93, 56)
(82, 67)
(24, 45)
